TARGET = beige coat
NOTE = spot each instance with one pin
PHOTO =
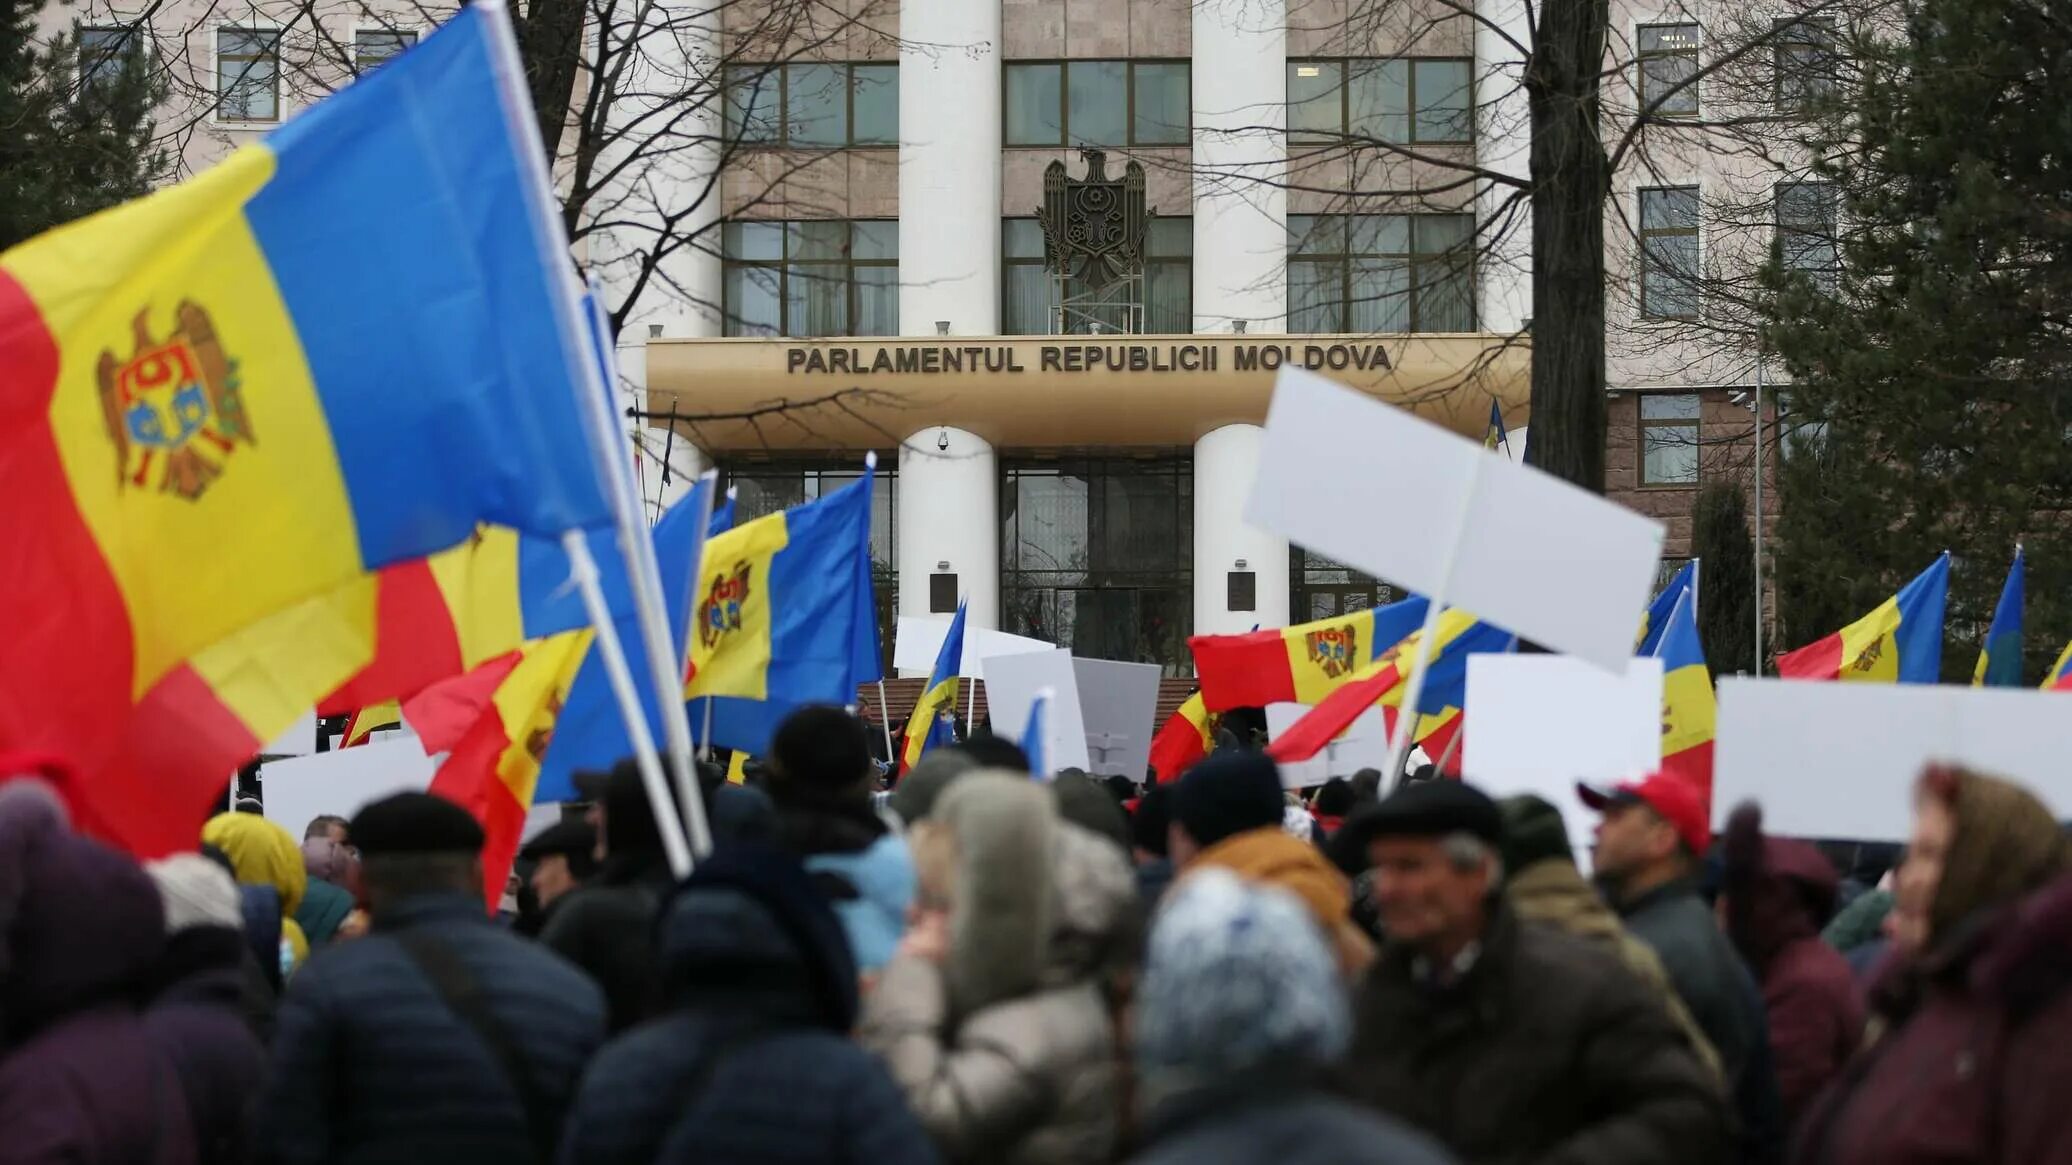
(1007, 1051)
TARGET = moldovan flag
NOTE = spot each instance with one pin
(339, 349)
(940, 695)
(493, 756)
(1689, 707)
(1188, 736)
(1299, 664)
(2060, 677)
(363, 723)
(1385, 682)
(2000, 656)
(1655, 620)
(1900, 642)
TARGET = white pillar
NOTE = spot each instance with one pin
(949, 513)
(1503, 144)
(949, 167)
(1240, 165)
(1224, 464)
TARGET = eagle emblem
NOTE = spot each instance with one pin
(720, 610)
(1867, 661)
(1331, 649)
(538, 739)
(174, 409)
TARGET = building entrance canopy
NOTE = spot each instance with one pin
(1057, 391)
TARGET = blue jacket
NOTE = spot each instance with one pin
(371, 1066)
(870, 891)
(751, 1064)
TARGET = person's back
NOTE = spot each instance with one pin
(607, 927)
(439, 1037)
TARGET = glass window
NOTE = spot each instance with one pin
(1401, 100)
(104, 53)
(1806, 231)
(1669, 252)
(372, 46)
(874, 105)
(1168, 292)
(816, 105)
(1381, 273)
(1097, 103)
(1319, 587)
(811, 278)
(248, 74)
(1807, 65)
(1668, 439)
(754, 104)
(1668, 59)
(1169, 276)
(1025, 286)
(813, 105)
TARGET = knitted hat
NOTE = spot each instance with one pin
(1148, 824)
(819, 753)
(1229, 792)
(1237, 978)
(914, 797)
(1533, 832)
(416, 823)
(196, 892)
(1084, 803)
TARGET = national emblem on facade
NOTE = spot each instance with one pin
(175, 409)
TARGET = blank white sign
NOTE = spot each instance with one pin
(916, 642)
(1118, 703)
(1364, 745)
(1378, 489)
(1828, 759)
(1012, 682)
(343, 781)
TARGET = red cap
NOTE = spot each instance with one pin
(1672, 799)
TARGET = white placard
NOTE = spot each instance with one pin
(1838, 760)
(916, 642)
(1012, 682)
(1536, 555)
(1364, 745)
(1118, 702)
(299, 740)
(341, 782)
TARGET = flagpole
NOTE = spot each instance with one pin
(584, 569)
(885, 722)
(705, 745)
(1399, 740)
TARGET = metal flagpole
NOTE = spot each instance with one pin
(1399, 741)
(1759, 513)
(885, 721)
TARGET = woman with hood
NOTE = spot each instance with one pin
(265, 859)
(1971, 1017)
(994, 1016)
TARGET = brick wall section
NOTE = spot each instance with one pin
(1726, 449)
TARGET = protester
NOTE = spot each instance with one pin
(1366, 785)
(440, 1037)
(1150, 828)
(914, 797)
(607, 926)
(1543, 886)
(1228, 811)
(821, 781)
(81, 927)
(751, 1063)
(1649, 843)
(1332, 803)
(1858, 930)
(1090, 805)
(1975, 1007)
(199, 1011)
(1508, 1041)
(563, 858)
(266, 861)
(1776, 893)
(1238, 1018)
(328, 828)
(994, 1017)
(327, 904)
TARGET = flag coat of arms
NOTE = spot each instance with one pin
(1899, 642)
(1299, 664)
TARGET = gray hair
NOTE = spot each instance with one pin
(1467, 852)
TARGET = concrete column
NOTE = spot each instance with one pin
(1224, 464)
(949, 168)
(949, 512)
(1240, 165)
(1503, 143)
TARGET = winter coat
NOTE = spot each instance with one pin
(1859, 923)
(82, 1081)
(1552, 892)
(262, 854)
(324, 908)
(607, 928)
(371, 1064)
(1975, 1054)
(870, 891)
(1007, 1051)
(1547, 1051)
(197, 1015)
(1272, 857)
(752, 1065)
(1244, 1123)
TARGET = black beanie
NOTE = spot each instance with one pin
(415, 823)
(1533, 832)
(1228, 793)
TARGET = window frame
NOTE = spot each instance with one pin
(781, 71)
(416, 35)
(730, 320)
(1798, 40)
(1643, 56)
(137, 46)
(1416, 262)
(1696, 232)
(1129, 116)
(1824, 279)
(216, 59)
(1410, 110)
(1646, 425)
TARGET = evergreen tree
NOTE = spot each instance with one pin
(1727, 580)
(78, 126)
(1931, 367)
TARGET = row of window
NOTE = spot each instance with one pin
(1346, 273)
(1805, 219)
(248, 63)
(1804, 56)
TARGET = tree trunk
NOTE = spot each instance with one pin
(550, 42)
(1570, 181)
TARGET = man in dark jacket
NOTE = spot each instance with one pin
(440, 1037)
(1653, 835)
(1506, 1041)
(751, 1064)
(607, 927)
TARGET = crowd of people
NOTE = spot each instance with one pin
(980, 967)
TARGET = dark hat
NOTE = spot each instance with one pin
(1083, 802)
(1533, 832)
(1673, 799)
(1228, 793)
(914, 797)
(1427, 809)
(415, 823)
(563, 837)
(1148, 824)
(818, 751)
